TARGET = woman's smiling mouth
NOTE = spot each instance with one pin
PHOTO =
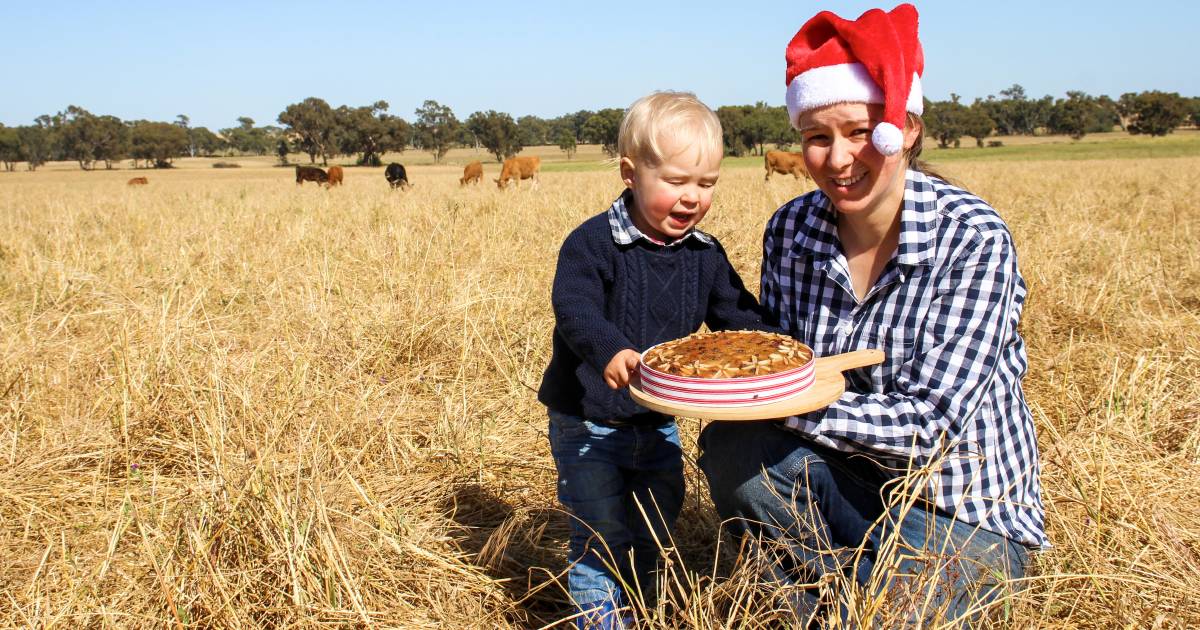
(848, 181)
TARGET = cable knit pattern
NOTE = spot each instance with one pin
(608, 296)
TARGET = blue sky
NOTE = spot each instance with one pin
(218, 60)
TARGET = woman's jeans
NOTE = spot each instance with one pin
(605, 470)
(809, 510)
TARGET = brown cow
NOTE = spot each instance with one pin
(472, 173)
(137, 181)
(334, 176)
(785, 162)
(518, 168)
(310, 174)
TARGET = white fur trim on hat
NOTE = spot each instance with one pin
(842, 83)
(916, 97)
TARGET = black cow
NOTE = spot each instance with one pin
(310, 174)
(397, 176)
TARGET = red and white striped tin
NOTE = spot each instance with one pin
(726, 392)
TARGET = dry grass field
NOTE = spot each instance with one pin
(228, 401)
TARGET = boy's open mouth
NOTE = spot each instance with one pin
(681, 219)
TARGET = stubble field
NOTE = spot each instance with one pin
(228, 401)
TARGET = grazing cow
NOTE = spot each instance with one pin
(518, 168)
(310, 174)
(785, 162)
(472, 173)
(397, 176)
(335, 176)
(137, 181)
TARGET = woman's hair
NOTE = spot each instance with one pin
(912, 156)
(668, 114)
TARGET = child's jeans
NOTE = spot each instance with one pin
(605, 470)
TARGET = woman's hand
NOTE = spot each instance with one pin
(623, 363)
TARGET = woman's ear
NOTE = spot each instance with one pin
(912, 131)
(627, 171)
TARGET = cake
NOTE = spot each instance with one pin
(727, 368)
(728, 354)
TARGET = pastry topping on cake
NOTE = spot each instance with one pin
(728, 354)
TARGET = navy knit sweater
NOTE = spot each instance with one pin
(608, 297)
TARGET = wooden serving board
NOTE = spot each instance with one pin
(828, 385)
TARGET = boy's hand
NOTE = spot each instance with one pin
(623, 363)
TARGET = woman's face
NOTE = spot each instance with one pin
(837, 150)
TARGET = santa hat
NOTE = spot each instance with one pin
(874, 59)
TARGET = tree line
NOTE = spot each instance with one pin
(366, 133)
(1153, 113)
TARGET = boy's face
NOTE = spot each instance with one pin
(672, 197)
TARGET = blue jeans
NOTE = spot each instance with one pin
(811, 511)
(604, 471)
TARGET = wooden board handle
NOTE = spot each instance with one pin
(851, 360)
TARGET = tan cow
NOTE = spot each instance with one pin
(785, 162)
(335, 176)
(518, 168)
(472, 173)
(137, 181)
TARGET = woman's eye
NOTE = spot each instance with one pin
(862, 131)
(816, 138)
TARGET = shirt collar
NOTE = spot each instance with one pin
(817, 233)
(624, 232)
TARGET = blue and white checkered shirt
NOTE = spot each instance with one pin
(944, 311)
(625, 232)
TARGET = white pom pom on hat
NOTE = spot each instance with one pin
(887, 138)
(874, 59)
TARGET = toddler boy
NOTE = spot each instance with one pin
(633, 276)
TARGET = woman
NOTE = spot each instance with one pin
(928, 464)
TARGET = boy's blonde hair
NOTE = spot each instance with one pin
(678, 114)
